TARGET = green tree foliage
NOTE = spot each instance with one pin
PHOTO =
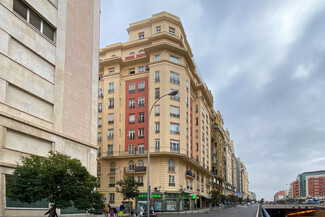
(128, 187)
(262, 201)
(215, 196)
(61, 180)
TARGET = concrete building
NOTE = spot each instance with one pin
(244, 180)
(294, 189)
(132, 76)
(280, 195)
(228, 163)
(48, 86)
(238, 177)
(217, 152)
(312, 184)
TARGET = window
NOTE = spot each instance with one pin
(174, 111)
(172, 30)
(203, 113)
(174, 59)
(111, 103)
(171, 166)
(132, 88)
(176, 97)
(111, 118)
(157, 93)
(141, 86)
(157, 145)
(171, 181)
(174, 128)
(111, 71)
(131, 71)
(99, 169)
(99, 137)
(157, 127)
(110, 134)
(131, 53)
(174, 146)
(100, 93)
(196, 109)
(110, 150)
(157, 110)
(141, 133)
(132, 118)
(98, 183)
(131, 134)
(140, 180)
(111, 182)
(157, 76)
(131, 103)
(157, 57)
(141, 149)
(111, 197)
(141, 69)
(196, 121)
(100, 77)
(140, 163)
(111, 87)
(174, 77)
(141, 35)
(100, 108)
(158, 29)
(99, 122)
(131, 163)
(196, 134)
(141, 101)
(99, 152)
(187, 85)
(31, 17)
(141, 117)
(197, 146)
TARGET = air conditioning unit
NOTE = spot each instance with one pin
(147, 68)
(157, 188)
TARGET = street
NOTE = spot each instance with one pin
(240, 211)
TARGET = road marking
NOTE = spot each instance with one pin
(257, 210)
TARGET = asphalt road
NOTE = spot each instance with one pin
(240, 211)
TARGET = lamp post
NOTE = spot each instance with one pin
(172, 93)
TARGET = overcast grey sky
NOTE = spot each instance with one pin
(264, 62)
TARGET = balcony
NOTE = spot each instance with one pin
(141, 105)
(171, 184)
(111, 185)
(131, 91)
(190, 174)
(112, 171)
(110, 106)
(110, 136)
(141, 90)
(137, 169)
(110, 90)
(110, 153)
(113, 154)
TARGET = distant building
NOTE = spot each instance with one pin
(281, 195)
(312, 184)
(48, 86)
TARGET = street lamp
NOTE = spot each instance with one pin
(172, 93)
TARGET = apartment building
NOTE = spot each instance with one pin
(133, 75)
(244, 180)
(217, 138)
(312, 184)
(48, 86)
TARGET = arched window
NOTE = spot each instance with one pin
(112, 168)
(131, 53)
(99, 168)
(113, 55)
(131, 165)
(141, 51)
(140, 163)
(171, 166)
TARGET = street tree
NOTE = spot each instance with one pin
(59, 179)
(215, 196)
(262, 201)
(128, 187)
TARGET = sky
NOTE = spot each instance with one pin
(264, 62)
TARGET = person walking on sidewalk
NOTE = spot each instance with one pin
(52, 211)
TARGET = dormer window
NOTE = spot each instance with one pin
(132, 71)
(141, 35)
(172, 30)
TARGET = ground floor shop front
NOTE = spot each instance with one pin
(172, 201)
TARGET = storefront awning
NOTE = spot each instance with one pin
(188, 192)
(206, 197)
(172, 192)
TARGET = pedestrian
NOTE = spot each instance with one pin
(111, 212)
(52, 211)
(106, 210)
(122, 208)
